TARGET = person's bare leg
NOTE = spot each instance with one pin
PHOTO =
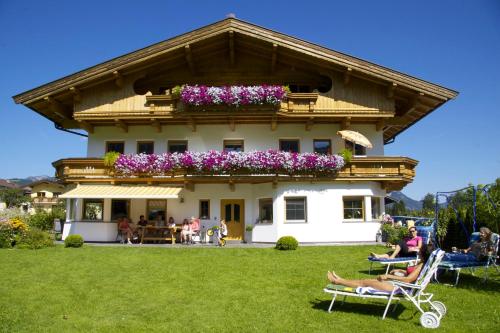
(379, 256)
(376, 284)
(396, 251)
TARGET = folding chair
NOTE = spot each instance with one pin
(491, 261)
(413, 292)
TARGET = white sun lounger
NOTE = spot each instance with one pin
(413, 292)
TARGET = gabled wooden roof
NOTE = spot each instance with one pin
(135, 61)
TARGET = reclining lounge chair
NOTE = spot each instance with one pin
(457, 266)
(413, 292)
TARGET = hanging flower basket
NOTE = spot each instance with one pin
(233, 96)
(270, 162)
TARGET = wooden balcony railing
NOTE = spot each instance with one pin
(45, 200)
(392, 172)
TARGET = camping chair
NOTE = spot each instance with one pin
(195, 231)
(491, 261)
(413, 292)
(426, 237)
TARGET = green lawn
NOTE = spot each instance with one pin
(133, 289)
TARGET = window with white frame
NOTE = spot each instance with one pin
(376, 214)
(295, 209)
(93, 209)
(353, 208)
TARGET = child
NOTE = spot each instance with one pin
(222, 232)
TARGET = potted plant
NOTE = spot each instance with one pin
(248, 233)
(110, 160)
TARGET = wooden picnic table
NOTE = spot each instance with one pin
(161, 233)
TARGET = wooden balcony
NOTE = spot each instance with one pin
(392, 172)
(45, 201)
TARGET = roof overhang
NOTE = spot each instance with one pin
(57, 96)
(122, 192)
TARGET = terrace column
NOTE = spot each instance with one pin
(368, 208)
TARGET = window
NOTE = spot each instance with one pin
(295, 209)
(323, 147)
(266, 210)
(296, 88)
(376, 208)
(353, 208)
(119, 208)
(204, 209)
(145, 147)
(177, 146)
(118, 146)
(233, 145)
(289, 145)
(355, 148)
(93, 209)
(40, 194)
(156, 210)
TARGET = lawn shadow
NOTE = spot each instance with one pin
(471, 282)
(368, 307)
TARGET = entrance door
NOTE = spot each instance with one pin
(233, 211)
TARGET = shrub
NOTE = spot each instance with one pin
(287, 243)
(35, 239)
(42, 220)
(7, 235)
(392, 234)
(73, 241)
(249, 227)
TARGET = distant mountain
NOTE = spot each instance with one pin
(21, 182)
(409, 202)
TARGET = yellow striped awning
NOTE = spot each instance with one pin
(121, 192)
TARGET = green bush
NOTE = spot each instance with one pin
(249, 227)
(35, 239)
(6, 235)
(42, 220)
(393, 234)
(73, 241)
(287, 243)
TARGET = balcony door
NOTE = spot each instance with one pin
(233, 211)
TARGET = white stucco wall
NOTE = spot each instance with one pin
(211, 137)
(324, 223)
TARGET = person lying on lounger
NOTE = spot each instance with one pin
(478, 251)
(408, 247)
(382, 282)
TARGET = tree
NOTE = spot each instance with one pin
(13, 197)
(428, 203)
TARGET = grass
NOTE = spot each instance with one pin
(132, 289)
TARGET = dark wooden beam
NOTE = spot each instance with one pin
(347, 76)
(86, 126)
(155, 123)
(77, 97)
(274, 58)
(346, 123)
(189, 59)
(231, 48)
(390, 90)
(118, 79)
(121, 125)
(58, 108)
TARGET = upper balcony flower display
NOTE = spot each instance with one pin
(216, 162)
(232, 95)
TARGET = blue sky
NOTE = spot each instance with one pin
(452, 43)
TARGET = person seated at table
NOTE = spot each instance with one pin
(142, 221)
(171, 222)
(478, 251)
(185, 231)
(125, 228)
(408, 247)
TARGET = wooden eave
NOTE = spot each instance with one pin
(45, 98)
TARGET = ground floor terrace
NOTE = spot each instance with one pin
(310, 212)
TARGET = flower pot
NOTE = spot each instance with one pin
(248, 237)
